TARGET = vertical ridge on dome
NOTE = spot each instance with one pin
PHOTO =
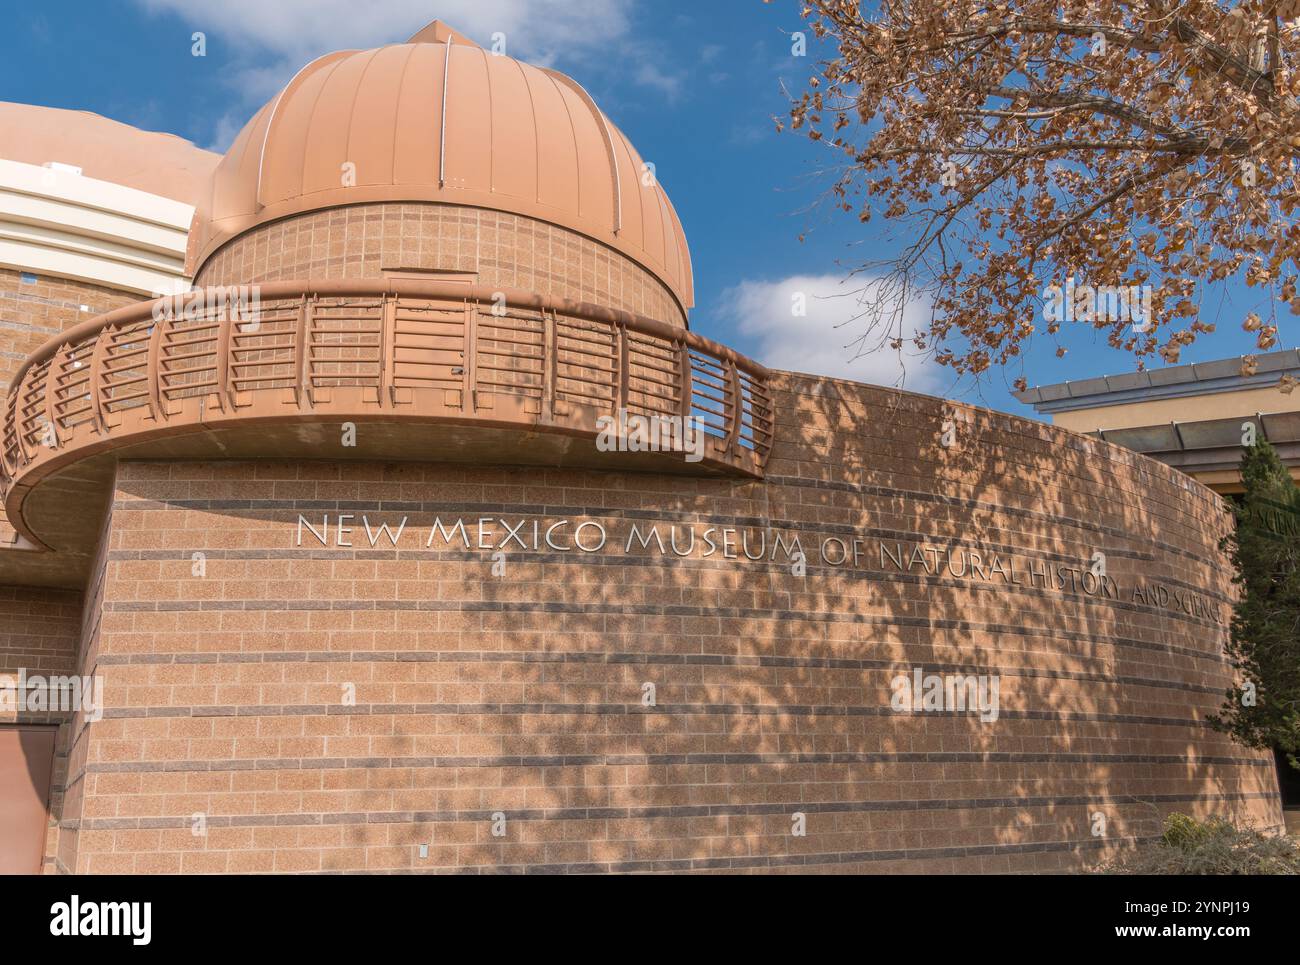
(686, 268)
(350, 143)
(442, 116)
(514, 143)
(330, 114)
(537, 138)
(491, 125)
(555, 139)
(469, 124)
(651, 225)
(603, 126)
(397, 106)
(419, 118)
(286, 94)
(595, 172)
(663, 228)
(367, 140)
(633, 223)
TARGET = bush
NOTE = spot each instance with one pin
(1185, 832)
(1212, 847)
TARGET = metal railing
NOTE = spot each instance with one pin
(407, 348)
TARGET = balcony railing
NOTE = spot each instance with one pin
(383, 349)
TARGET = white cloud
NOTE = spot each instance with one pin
(225, 131)
(651, 75)
(272, 39)
(824, 340)
(302, 29)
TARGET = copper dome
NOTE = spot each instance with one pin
(440, 119)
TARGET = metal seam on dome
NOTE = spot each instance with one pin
(608, 138)
(397, 109)
(640, 192)
(491, 128)
(665, 227)
(573, 133)
(683, 253)
(442, 134)
(537, 134)
(266, 135)
(311, 118)
(352, 110)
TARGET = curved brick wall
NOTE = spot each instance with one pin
(513, 251)
(33, 311)
(522, 693)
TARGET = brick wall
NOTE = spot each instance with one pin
(523, 693)
(32, 312)
(362, 241)
(39, 630)
(75, 734)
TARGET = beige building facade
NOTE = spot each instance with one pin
(1194, 417)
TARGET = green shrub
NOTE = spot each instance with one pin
(1184, 831)
(1211, 847)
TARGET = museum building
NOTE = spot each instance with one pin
(422, 533)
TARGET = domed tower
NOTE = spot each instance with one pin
(436, 159)
(456, 251)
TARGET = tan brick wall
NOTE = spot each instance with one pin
(73, 740)
(522, 694)
(32, 312)
(364, 240)
(39, 631)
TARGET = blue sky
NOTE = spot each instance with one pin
(693, 84)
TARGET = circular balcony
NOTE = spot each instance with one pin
(385, 370)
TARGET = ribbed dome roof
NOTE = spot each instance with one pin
(441, 119)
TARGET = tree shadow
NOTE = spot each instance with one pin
(518, 703)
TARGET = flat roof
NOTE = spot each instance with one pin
(1176, 381)
(107, 150)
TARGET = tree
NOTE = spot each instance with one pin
(1263, 708)
(1034, 149)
